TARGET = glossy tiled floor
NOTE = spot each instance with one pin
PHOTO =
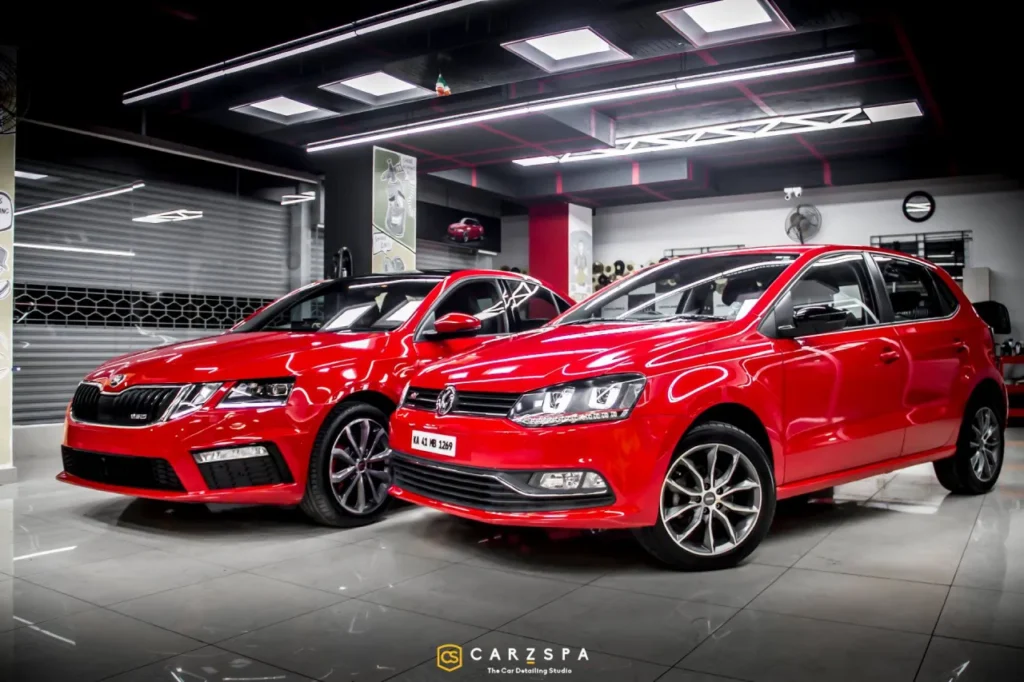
(891, 580)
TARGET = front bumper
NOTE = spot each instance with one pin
(156, 461)
(631, 455)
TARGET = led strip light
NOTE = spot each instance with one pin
(91, 196)
(685, 83)
(270, 54)
(725, 133)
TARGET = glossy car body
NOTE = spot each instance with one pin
(825, 408)
(329, 369)
(466, 230)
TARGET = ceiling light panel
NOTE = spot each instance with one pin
(25, 175)
(891, 112)
(725, 21)
(739, 75)
(377, 89)
(576, 49)
(283, 110)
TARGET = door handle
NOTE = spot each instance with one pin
(959, 346)
(889, 356)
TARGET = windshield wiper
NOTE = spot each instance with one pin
(696, 316)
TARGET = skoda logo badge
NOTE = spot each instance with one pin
(116, 380)
(446, 401)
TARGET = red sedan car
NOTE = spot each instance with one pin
(466, 230)
(292, 405)
(683, 401)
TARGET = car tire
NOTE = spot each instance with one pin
(975, 466)
(685, 505)
(361, 497)
(465, 237)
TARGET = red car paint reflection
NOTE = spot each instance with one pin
(466, 230)
(295, 369)
(707, 388)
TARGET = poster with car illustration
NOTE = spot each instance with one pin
(394, 211)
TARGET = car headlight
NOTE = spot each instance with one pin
(260, 393)
(581, 402)
(190, 399)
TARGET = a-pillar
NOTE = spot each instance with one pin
(561, 247)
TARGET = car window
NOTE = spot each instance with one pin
(842, 282)
(948, 298)
(911, 289)
(531, 304)
(480, 298)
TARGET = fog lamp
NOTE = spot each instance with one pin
(568, 480)
(244, 452)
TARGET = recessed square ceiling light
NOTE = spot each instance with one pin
(724, 21)
(570, 44)
(376, 89)
(723, 15)
(283, 106)
(575, 49)
(892, 112)
(283, 110)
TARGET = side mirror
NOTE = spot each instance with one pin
(995, 316)
(454, 325)
(815, 319)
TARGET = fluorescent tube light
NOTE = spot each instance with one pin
(610, 94)
(724, 15)
(569, 44)
(25, 175)
(536, 160)
(289, 199)
(295, 47)
(177, 216)
(74, 249)
(283, 106)
(92, 196)
(892, 112)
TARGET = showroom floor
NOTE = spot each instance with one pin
(892, 581)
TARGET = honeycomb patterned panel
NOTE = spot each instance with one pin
(91, 307)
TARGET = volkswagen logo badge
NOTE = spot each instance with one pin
(116, 380)
(446, 401)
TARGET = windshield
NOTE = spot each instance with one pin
(345, 305)
(720, 287)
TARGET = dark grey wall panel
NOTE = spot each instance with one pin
(238, 247)
(50, 361)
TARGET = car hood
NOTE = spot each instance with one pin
(251, 355)
(557, 354)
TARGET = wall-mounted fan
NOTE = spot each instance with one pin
(802, 223)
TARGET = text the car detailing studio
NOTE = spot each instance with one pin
(471, 229)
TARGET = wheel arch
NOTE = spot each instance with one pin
(375, 398)
(989, 391)
(740, 416)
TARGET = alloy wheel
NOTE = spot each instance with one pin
(985, 444)
(360, 467)
(711, 499)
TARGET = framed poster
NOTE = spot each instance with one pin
(394, 211)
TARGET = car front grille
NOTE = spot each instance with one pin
(135, 406)
(149, 473)
(245, 473)
(478, 488)
(477, 403)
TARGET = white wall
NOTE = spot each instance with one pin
(992, 210)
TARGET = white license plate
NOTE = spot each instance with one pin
(432, 442)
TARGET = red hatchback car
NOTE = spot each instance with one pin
(292, 405)
(684, 400)
(466, 230)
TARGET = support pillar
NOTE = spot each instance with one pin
(561, 247)
(7, 471)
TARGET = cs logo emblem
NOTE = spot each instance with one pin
(449, 657)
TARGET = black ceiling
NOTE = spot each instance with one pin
(74, 66)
